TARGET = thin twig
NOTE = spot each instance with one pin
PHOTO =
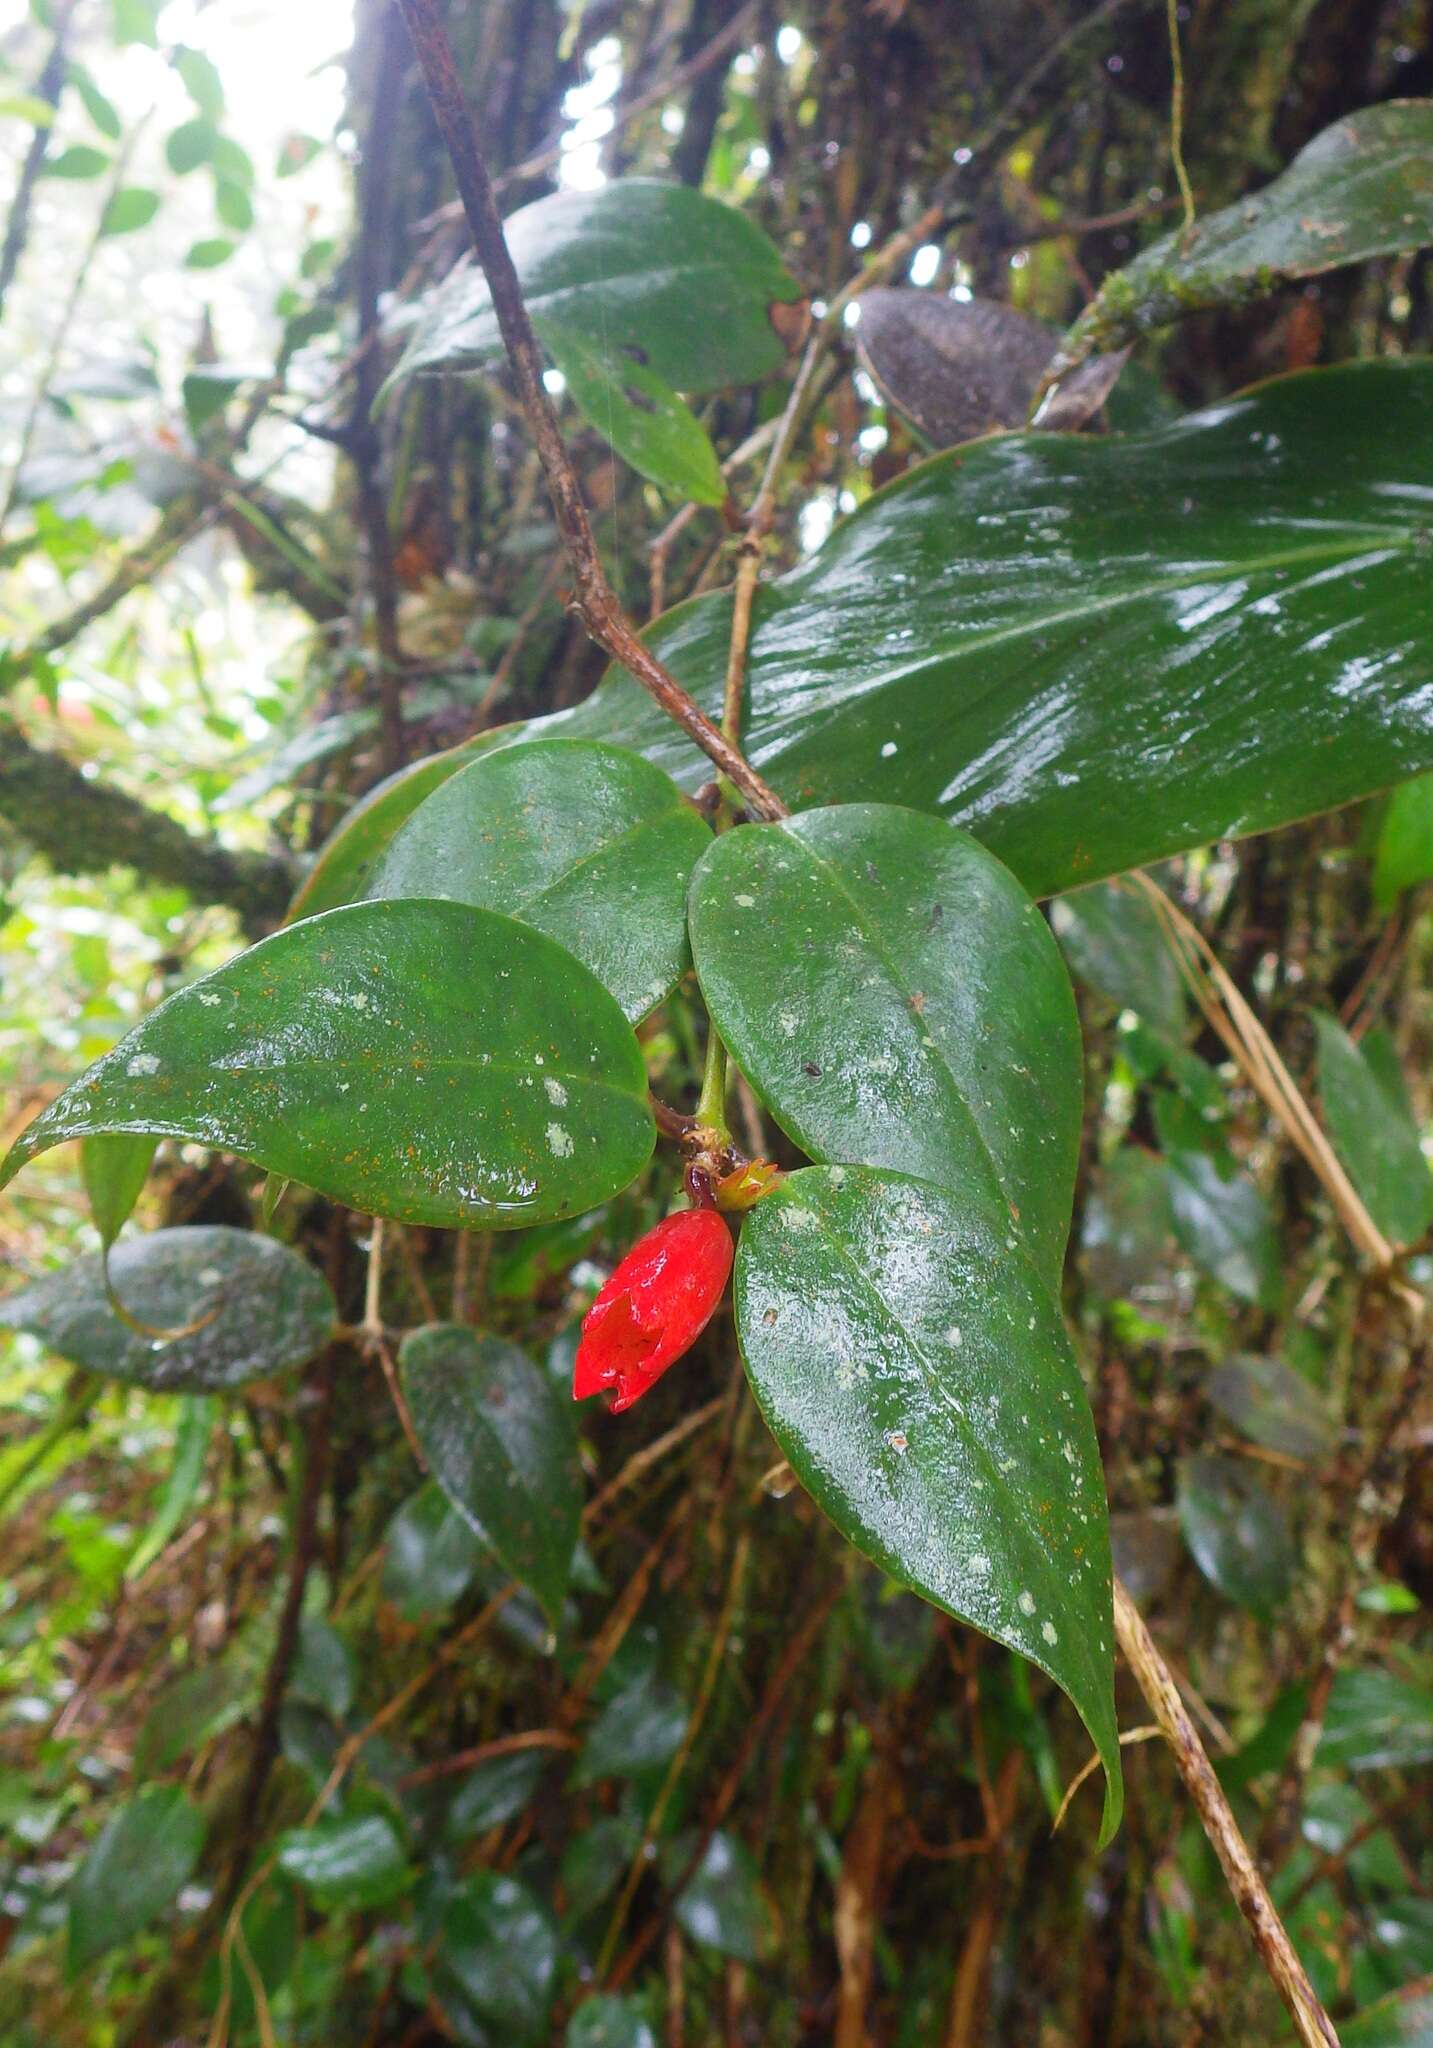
(1311, 2023)
(596, 601)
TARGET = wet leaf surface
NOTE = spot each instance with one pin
(897, 1000)
(260, 1310)
(1364, 187)
(911, 1363)
(420, 1060)
(499, 1441)
(1092, 652)
(590, 844)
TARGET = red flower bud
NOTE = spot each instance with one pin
(654, 1307)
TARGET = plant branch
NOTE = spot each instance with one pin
(597, 602)
(85, 827)
(1311, 2023)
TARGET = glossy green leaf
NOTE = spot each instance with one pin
(1404, 854)
(500, 1442)
(323, 1671)
(493, 1792)
(142, 1859)
(659, 271)
(1272, 1405)
(420, 1060)
(596, 1860)
(182, 1481)
(252, 1308)
(590, 844)
(1115, 944)
(431, 1555)
(114, 1171)
(1093, 651)
(351, 1862)
(348, 857)
(638, 1731)
(1226, 1228)
(639, 415)
(910, 1360)
(1378, 1719)
(897, 1000)
(720, 1905)
(609, 2022)
(496, 1958)
(1364, 187)
(1236, 1531)
(1371, 1122)
(132, 207)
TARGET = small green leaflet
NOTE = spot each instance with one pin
(415, 1059)
(912, 1364)
(896, 999)
(590, 844)
(499, 1440)
(114, 1171)
(249, 1308)
(1362, 188)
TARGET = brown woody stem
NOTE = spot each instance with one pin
(597, 602)
(1216, 1817)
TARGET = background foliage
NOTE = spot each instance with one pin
(237, 593)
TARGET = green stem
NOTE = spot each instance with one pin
(711, 1103)
(68, 1416)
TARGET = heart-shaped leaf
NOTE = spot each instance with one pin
(143, 1857)
(641, 417)
(413, 1059)
(249, 1306)
(662, 273)
(897, 1000)
(1093, 651)
(1362, 188)
(590, 844)
(1373, 1126)
(911, 1363)
(499, 1440)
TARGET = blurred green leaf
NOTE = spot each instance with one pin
(144, 1856)
(349, 1863)
(1371, 1121)
(1237, 1532)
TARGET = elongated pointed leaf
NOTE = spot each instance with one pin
(1364, 187)
(641, 417)
(182, 1482)
(680, 281)
(136, 1868)
(897, 1000)
(590, 844)
(413, 1059)
(1372, 1123)
(114, 1171)
(499, 1441)
(911, 1363)
(250, 1306)
(1095, 651)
